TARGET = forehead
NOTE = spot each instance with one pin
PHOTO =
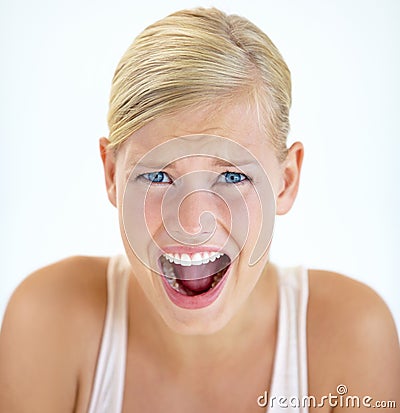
(238, 123)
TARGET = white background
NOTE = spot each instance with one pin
(57, 61)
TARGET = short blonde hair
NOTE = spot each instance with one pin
(192, 57)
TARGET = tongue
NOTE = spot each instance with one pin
(198, 286)
(196, 278)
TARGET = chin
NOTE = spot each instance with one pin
(194, 283)
(206, 311)
(199, 299)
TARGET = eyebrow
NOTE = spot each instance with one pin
(216, 162)
(238, 163)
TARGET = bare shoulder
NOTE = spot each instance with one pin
(351, 335)
(50, 333)
(61, 291)
(345, 302)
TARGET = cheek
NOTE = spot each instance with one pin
(151, 211)
(139, 212)
(261, 218)
(255, 217)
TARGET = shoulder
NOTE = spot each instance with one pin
(66, 287)
(51, 326)
(347, 302)
(346, 307)
(351, 334)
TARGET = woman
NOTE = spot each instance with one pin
(195, 317)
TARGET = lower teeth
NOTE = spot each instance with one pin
(217, 279)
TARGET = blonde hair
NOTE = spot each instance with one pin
(192, 57)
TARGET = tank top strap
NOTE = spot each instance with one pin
(108, 386)
(290, 373)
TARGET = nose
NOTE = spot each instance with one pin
(191, 208)
(189, 217)
(195, 213)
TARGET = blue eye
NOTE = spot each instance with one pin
(234, 177)
(157, 177)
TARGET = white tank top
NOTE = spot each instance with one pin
(289, 379)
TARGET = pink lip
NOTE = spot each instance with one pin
(195, 301)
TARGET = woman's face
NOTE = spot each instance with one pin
(197, 193)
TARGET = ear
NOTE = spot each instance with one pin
(291, 177)
(108, 158)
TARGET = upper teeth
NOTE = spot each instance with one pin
(197, 258)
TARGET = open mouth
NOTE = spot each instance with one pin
(194, 274)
